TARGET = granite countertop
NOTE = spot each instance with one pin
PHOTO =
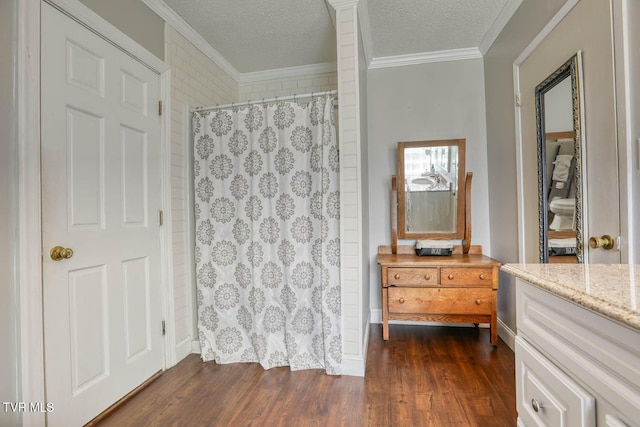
(609, 289)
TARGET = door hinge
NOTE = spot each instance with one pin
(159, 108)
(160, 217)
(518, 100)
(164, 330)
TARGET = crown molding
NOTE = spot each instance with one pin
(342, 4)
(180, 25)
(364, 23)
(280, 73)
(332, 13)
(425, 58)
(506, 13)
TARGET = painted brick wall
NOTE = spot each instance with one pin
(195, 81)
(287, 86)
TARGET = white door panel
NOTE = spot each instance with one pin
(100, 197)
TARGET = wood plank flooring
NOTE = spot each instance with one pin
(422, 376)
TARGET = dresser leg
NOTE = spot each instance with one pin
(494, 330)
(385, 330)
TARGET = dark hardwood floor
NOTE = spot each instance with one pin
(423, 376)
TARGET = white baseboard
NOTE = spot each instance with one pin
(353, 366)
(507, 335)
(183, 349)
(376, 317)
(195, 347)
(356, 366)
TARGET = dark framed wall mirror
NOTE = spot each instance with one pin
(560, 139)
(431, 197)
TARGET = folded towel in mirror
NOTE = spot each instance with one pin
(562, 243)
(562, 163)
(447, 244)
(559, 247)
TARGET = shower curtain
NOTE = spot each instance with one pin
(267, 208)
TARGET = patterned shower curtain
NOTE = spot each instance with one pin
(267, 207)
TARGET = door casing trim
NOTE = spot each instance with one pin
(30, 280)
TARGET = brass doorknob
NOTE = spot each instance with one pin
(604, 242)
(58, 253)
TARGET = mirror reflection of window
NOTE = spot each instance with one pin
(431, 186)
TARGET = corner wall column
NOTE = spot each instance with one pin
(355, 317)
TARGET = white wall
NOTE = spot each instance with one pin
(526, 23)
(418, 103)
(286, 86)
(364, 166)
(558, 108)
(134, 19)
(195, 81)
(9, 310)
(634, 128)
(627, 52)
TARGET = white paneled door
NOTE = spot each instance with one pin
(100, 199)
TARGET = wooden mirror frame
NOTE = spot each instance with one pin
(461, 196)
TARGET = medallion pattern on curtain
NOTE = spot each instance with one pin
(267, 207)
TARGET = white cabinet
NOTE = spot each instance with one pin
(577, 367)
(546, 395)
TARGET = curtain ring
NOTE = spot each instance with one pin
(294, 97)
(276, 99)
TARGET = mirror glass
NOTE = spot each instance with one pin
(430, 199)
(559, 136)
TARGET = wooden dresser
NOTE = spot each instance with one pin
(456, 288)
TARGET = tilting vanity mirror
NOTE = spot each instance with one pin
(560, 141)
(430, 180)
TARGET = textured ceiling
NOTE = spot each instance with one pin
(258, 35)
(417, 26)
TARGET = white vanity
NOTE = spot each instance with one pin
(577, 344)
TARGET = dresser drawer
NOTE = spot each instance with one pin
(440, 301)
(546, 396)
(412, 276)
(466, 276)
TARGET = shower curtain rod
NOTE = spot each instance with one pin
(262, 101)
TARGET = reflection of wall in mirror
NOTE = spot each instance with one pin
(431, 211)
(558, 108)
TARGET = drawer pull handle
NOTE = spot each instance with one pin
(401, 300)
(427, 277)
(450, 277)
(535, 405)
(478, 302)
(482, 276)
(397, 276)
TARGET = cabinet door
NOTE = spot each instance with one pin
(546, 396)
